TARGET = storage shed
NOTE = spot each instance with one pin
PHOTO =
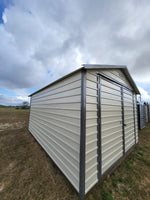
(148, 112)
(142, 115)
(86, 122)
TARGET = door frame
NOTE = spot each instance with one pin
(99, 151)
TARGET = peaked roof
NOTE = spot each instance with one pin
(97, 66)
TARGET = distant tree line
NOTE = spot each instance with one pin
(24, 105)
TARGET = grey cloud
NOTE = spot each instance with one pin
(58, 36)
(141, 67)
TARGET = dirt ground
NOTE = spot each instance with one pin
(27, 172)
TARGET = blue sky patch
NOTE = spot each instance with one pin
(3, 4)
(145, 86)
(7, 92)
(2, 7)
(50, 73)
(30, 91)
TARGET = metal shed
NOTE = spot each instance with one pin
(148, 112)
(142, 115)
(86, 122)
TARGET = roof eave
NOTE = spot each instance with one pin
(96, 66)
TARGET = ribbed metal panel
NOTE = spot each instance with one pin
(55, 123)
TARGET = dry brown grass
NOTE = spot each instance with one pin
(27, 173)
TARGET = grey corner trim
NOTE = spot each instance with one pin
(82, 135)
(99, 157)
(123, 132)
(133, 99)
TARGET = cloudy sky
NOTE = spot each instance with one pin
(41, 41)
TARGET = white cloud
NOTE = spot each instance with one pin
(4, 18)
(12, 100)
(22, 98)
(144, 95)
(58, 36)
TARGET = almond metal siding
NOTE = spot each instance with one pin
(55, 123)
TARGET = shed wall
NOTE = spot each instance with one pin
(55, 123)
(91, 172)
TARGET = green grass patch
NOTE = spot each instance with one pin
(27, 172)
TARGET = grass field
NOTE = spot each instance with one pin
(27, 173)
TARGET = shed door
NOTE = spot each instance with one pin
(111, 123)
(129, 119)
(116, 122)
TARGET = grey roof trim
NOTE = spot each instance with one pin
(96, 66)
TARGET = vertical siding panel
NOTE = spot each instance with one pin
(55, 123)
(91, 131)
